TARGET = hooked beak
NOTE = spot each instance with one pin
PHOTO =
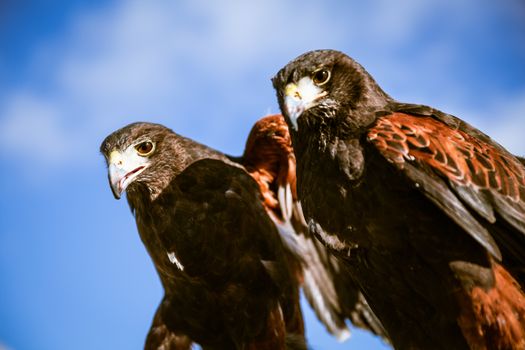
(123, 168)
(300, 97)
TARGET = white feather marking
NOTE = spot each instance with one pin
(174, 260)
(329, 239)
(288, 234)
(342, 333)
(284, 195)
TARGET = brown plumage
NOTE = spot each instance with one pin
(334, 297)
(160, 337)
(461, 158)
(494, 319)
(218, 255)
(427, 212)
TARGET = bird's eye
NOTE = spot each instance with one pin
(321, 76)
(144, 148)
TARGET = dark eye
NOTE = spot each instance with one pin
(321, 76)
(144, 148)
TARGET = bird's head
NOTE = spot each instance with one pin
(325, 84)
(134, 154)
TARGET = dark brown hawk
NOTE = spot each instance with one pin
(219, 257)
(427, 212)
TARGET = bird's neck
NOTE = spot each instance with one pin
(319, 135)
(146, 190)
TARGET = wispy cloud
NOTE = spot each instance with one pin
(32, 129)
(192, 64)
(504, 121)
(131, 60)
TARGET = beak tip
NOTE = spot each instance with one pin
(115, 188)
(294, 109)
(117, 194)
(294, 124)
(114, 181)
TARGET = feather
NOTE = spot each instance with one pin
(269, 159)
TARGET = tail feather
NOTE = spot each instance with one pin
(321, 294)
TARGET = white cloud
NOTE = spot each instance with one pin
(131, 61)
(178, 62)
(32, 129)
(504, 121)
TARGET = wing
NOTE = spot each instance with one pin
(334, 297)
(475, 181)
(224, 230)
(218, 215)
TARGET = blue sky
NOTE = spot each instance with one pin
(73, 272)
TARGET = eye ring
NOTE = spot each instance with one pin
(145, 148)
(321, 76)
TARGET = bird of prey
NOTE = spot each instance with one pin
(219, 256)
(268, 157)
(427, 212)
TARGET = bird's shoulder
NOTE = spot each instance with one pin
(213, 214)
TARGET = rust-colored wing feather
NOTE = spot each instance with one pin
(334, 297)
(494, 318)
(481, 187)
(460, 157)
(463, 172)
(268, 157)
